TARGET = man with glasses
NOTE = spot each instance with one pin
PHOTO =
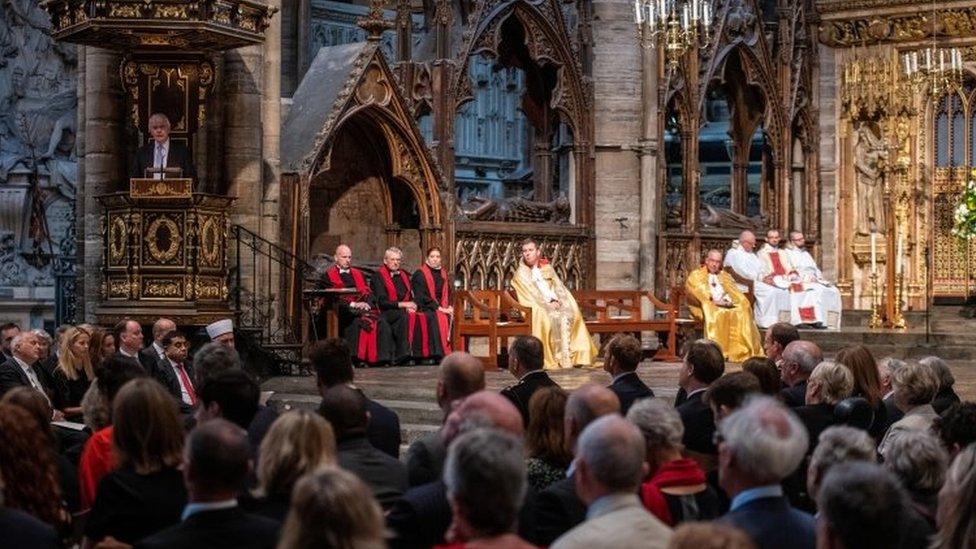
(175, 372)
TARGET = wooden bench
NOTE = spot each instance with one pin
(497, 316)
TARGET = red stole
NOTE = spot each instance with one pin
(367, 348)
(412, 317)
(443, 322)
(780, 270)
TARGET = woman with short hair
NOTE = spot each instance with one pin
(919, 460)
(914, 386)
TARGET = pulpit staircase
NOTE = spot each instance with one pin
(266, 282)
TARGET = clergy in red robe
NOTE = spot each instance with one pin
(360, 322)
(412, 334)
(432, 293)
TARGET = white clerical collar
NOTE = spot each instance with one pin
(344, 271)
(433, 268)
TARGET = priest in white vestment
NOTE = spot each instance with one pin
(772, 303)
(825, 297)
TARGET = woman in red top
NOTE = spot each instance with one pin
(676, 490)
(97, 458)
(485, 478)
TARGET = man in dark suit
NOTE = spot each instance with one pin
(558, 509)
(797, 363)
(525, 361)
(23, 370)
(624, 353)
(162, 152)
(760, 444)
(175, 371)
(460, 375)
(216, 462)
(778, 336)
(332, 361)
(8, 332)
(345, 409)
(420, 518)
(151, 355)
(128, 339)
(703, 364)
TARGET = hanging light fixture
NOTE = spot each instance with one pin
(935, 70)
(674, 25)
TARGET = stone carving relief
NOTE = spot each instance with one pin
(517, 209)
(38, 166)
(870, 154)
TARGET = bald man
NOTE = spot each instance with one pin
(772, 301)
(460, 375)
(360, 323)
(422, 516)
(558, 508)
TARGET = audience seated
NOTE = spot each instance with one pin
(622, 356)
(709, 535)
(151, 355)
(777, 337)
(914, 388)
(675, 490)
(797, 363)
(486, 484)
(886, 370)
(215, 463)
(837, 444)
(867, 384)
(703, 364)
(73, 372)
(760, 445)
(460, 375)
(610, 463)
(420, 519)
(946, 396)
(23, 370)
(98, 459)
(919, 461)
(8, 331)
(766, 372)
(332, 361)
(545, 439)
(145, 493)
(559, 508)
(19, 529)
(346, 410)
(331, 507)
(100, 347)
(174, 370)
(727, 393)
(861, 505)
(829, 383)
(28, 469)
(525, 362)
(298, 443)
(128, 339)
(956, 427)
(957, 499)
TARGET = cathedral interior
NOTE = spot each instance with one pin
(627, 147)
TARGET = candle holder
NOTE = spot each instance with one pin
(875, 321)
(897, 320)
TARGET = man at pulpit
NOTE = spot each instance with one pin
(556, 318)
(162, 152)
(360, 323)
(723, 310)
(432, 292)
(412, 333)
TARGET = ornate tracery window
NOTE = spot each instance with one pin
(955, 127)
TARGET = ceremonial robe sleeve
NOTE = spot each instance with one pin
(423, 299)
(738, 298)
(697, 285)
(380, 295)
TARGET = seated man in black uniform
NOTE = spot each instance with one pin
(162, 152)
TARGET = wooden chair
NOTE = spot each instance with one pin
(609, 312)
(491, 314)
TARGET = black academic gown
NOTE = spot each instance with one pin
(401, 321)
(354, 324)
(439, 325)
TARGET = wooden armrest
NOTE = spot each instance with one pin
(510, 302)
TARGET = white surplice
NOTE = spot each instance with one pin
(824, 296)
(772, 303)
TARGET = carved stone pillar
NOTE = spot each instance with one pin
(648, 153)
(243, 134)
(542, 167)
(102, 162)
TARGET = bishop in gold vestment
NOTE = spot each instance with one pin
(556, 318)
(723, 309)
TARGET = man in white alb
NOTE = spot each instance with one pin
(772, 302)
(824, 296)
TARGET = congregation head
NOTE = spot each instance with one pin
(26, 347)
(298, 443)
(659, 423)
(211, 360)
(526, 354)
(766, 372)
(609, 458)
(760, 443)
(217, 458)
(703, 362)
(829, 383)
(860, 505)
(584, 406)
(836, 445)
(128, 336)
(727, 393)
(232, 395)
(941, 369)
(7, 333)
(332, 361)
(799, 358)
(460, 375)
(778, 336)
(161, 327)
(956, 427)
(623, 354)
(483, 409)
(345, 408)
(914, 385)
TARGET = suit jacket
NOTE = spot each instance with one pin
(18, 530)
(629, 388)
(162, 370)
(699, 424)
(555, 511)
(425, 459)
(130, 506)
(385, 475)
(383, 431)
(918, 418)
(773, 524)
(134, 360)
(12, 375)
(795, 396)
(178, 156)
(420, 518)
(223, 528)
(149, 360)
(522, 392)
(621, 521)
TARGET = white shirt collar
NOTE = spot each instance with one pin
(23, 365)
(159, 350)
(194, 508)
(124, 353)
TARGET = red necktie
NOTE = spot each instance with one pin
(185, 380)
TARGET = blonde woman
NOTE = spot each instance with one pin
(333, 509)
(298, 443)
(73, 372)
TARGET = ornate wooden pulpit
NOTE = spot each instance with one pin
(165, 253)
